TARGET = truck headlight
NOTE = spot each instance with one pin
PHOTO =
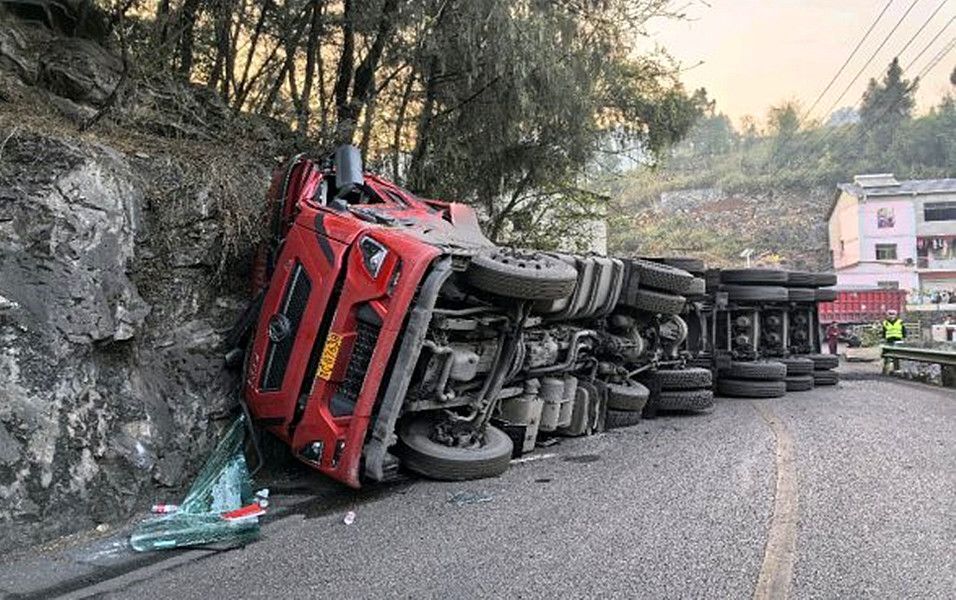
(373, 255)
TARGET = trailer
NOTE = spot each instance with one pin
(861, 305)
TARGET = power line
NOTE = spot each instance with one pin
(922, 27)
(847, 61)
(830, 133)
(931, 42)
(872, 56)
(939, 57)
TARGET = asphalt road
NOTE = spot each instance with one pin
(674, 507)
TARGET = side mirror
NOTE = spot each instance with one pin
(348, 169)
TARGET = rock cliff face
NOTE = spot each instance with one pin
(121, 269)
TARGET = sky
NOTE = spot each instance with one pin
(757, 53)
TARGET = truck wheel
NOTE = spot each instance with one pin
(756, 370)
(744, 388)
(683, 379)
(796, 294)
(685, 263)
(756, 293)
(825, 377)
(825, 295)
(799, 383)
(421, 454)
(797, 365)
(824, 279)
(616, 419)
(758, 276)
(697, 287)
(523, 274)
(661, 277)
(628, 396)
(658, 302)
(822, 362)
(684, 400)
(800, 279)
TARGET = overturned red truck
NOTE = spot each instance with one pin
(389, 332)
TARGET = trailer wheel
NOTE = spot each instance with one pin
(617, 419)
(799, 383)
(756, 370)
(825, 377)
(683, 379)
(801, 279)
(822, 362)
(797, 365)
(796, 294)
(745, 388)
(422, 455)
(824, 279)
(756, 293)
(684, 400)
(522, 274)
(758, 276)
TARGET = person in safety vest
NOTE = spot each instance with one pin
(893, 328)
(893, 332)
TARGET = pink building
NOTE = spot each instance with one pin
(895, 234)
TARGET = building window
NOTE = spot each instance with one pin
(885, 218)
(886, 252)
(888, 285)
(939, 211)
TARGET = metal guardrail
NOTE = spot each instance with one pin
(927, 355)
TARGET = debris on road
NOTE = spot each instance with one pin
(469, 497)
(349, 517)
(219, 508)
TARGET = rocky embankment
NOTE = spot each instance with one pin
(123, 248)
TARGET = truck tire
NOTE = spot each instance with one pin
(745, 388)
(617, 419)
(658, 302)
(684, 400)
(756, 293)
(698, 287)
(825, 295)
(800, 279)
(824, 279)
(758, 276)
(799, 383)
(757, 371)
(797, 365)
(685, 263)
(627, 396)
(661, 277)
(825, 377)
(796, 294)
(436, 461)
(823, 362)
(522, 274)
(683, 379)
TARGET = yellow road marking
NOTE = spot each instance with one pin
(776, 572)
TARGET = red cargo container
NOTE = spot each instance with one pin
(861, 305)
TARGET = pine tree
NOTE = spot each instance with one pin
(886, 106)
